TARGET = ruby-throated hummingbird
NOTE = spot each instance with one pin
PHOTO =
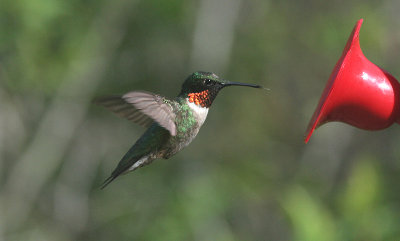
(172, 124)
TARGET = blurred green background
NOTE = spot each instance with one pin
(247, 176)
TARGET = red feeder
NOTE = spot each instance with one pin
(358, 92)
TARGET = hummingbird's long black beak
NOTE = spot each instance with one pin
(231, 83)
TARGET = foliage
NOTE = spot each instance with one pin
(247, 176)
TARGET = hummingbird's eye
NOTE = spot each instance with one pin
(207, 82)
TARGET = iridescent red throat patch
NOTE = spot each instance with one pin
(202, 98)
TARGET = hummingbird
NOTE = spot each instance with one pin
(172, 123)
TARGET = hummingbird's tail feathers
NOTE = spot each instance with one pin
(144, 151)
(108, 181)
(118, 171)
(126, 166)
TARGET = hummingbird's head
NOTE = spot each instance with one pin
(201, 88)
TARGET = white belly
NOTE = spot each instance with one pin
(200, 112)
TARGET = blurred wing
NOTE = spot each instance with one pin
(142, 108)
